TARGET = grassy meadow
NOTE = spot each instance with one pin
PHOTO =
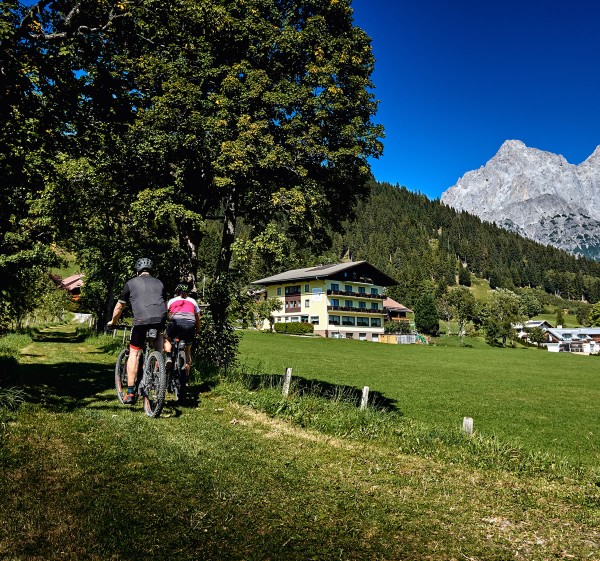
(224, 475)
(545, 402)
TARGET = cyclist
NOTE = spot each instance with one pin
(184, 322)
(147, 297)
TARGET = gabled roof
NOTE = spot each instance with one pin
(72, 282)
(357, 271)
(390, 304)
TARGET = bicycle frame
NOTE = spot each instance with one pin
(151, 376)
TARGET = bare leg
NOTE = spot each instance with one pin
(132, 365)
(188, 359)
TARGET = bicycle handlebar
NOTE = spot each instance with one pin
(117, 326)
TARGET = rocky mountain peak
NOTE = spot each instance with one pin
(536, 193)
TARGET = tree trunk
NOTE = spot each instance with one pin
(108, 305)
(221, 295)
(190, 238)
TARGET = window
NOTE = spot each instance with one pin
(306, 288)
(295, 319)
(334, 320)
(362, 336)
(374, 306)
(347, 320)
(362, 322)
(278, 291)
(307, 303)
(348, 288)
(290, 290)
(349, 335)
(348, 303)
(362, 304)
(375, 338)
(317, 291)
(335, 302)
(303, 319)
(374, 291)
(314, 320)
(375, 322)
(335, 286)
(362, 290)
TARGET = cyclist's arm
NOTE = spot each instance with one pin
(119, 307)
(197, 314)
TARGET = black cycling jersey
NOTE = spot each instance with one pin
(147, 297)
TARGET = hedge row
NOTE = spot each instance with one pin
(294, 328)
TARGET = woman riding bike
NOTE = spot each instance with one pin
(184, 323)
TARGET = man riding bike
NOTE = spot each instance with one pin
(184, 322)
(147, 297)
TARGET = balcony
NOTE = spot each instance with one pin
(355, 294)
(354, 310)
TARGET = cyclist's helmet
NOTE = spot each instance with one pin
(143, 264)
(181, 288)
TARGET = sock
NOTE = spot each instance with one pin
(130, 389)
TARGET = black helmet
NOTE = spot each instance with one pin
(181, 288)
(143, 264)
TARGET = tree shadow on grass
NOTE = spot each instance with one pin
(63, 386)
(319, 388)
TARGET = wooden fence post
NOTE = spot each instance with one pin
(467, 425)
(365, 398)
(287, 380)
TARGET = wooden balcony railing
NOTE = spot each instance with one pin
(356, 294)
(355, 310)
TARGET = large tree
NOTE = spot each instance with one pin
(168, 114)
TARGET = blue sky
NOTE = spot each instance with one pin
(457, 78)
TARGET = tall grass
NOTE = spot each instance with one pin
(10, 396)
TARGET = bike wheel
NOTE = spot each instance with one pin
(121, 374)
(154, 384)
(179, 376)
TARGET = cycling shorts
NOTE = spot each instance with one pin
(184, 331)
(138, 334)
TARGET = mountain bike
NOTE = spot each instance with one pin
(151, 377)
(177, 376)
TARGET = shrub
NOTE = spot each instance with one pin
(294, 328)
(402, 326)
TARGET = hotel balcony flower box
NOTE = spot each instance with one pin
(355, 310)
(355, 294)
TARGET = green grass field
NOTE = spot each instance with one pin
(215, 478)
(545, 402)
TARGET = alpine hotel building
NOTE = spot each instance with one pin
(343, 300)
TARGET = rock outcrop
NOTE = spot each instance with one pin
(536, 194)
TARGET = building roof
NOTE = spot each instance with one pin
(72, 282)
(357, 271)
(390, 304)
(574, 334)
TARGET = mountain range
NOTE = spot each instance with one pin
(536, 194)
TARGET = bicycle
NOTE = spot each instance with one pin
(177, 376)
(151, 376)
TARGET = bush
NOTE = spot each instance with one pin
(402, 326)
(294, 328)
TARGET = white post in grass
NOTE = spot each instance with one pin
(287, 380)
(365, 398)
(467, 425)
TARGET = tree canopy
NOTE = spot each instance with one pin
(131, 125)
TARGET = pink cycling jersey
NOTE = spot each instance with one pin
(183, 309)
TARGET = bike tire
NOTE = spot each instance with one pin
(179, 378)
(154, 384)
(121, 374)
